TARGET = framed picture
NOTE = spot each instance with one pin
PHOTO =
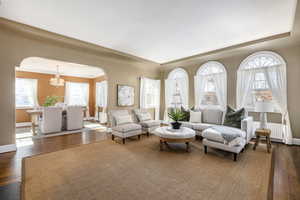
(125, 95)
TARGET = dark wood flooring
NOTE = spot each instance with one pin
(284, 182)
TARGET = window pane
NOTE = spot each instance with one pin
(26, 93)
(78, 93)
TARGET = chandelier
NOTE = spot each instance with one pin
(57, 81)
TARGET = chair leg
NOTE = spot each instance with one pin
(205, 149)
(139, 137)
(112, 137)
(123, 140)
(235, 156)
(148, 134)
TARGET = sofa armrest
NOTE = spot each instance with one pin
(247, 126)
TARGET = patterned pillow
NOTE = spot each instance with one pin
(123, 119)
(233, 118)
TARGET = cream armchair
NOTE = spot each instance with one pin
(144, 118)
(123, 125)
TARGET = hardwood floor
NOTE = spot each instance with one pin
(285, 184)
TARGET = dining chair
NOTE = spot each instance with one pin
(51, 120)
(74, 117)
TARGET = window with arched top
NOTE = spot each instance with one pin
(211, 85)
(177, 89)
(253, 85)
(261, 80)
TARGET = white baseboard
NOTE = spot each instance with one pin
(23, 124)
(296, 141)
(8, 148)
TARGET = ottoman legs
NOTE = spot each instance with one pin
(205, 149)
(234, 156)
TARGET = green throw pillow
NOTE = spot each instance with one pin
(233, 118)
(186, 114)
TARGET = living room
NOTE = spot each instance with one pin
(249, 71)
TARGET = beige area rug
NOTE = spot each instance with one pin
(138, 170)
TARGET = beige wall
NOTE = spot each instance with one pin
(290, 55)
(19, 42)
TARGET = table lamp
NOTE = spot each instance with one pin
(263, 107)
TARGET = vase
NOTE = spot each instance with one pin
(175, 125)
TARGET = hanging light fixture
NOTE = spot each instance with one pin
(57, 81)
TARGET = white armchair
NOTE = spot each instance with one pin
(74, 117)
(51, 120)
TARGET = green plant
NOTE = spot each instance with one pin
(51, 101)
(176, 115)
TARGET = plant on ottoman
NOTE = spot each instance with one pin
(176, 115)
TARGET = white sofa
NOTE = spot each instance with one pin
(124, 130)
(213, 138)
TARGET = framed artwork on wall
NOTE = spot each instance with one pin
(125, 95)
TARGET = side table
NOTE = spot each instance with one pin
(265, 133)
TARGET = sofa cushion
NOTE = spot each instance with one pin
(212, 116)
(215, 135)
(201, 126)
(127, 127)
(233, 118)
(150, 123)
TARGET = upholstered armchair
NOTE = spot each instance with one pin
(51, 120)
(123, 125)
(143, 117)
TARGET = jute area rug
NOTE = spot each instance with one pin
(138, 170)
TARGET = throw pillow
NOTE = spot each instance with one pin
(212, 116)
(123, 119)
(186, 114)
(144, 116)
(233, 118)
(195, 117)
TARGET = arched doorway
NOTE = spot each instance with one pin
(42, 82)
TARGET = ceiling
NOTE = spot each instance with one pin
(47, 66)
(160, 31)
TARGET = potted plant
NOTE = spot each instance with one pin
(176, 115)
(51, 101)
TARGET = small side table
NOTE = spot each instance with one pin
(266, 133)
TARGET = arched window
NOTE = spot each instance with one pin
(176, 89)
(252, 85)
(211, 85)
(262, 78)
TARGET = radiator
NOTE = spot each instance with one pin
(276, 130)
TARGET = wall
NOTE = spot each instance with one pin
(20, 41)
(289, 54)
(45, 89)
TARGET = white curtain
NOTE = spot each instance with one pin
(199, 84)
(169, 91)
(276, 78)
(77, 93)
(245, 80)
(220, 82)
(26, 92)
(183, 86)
(150, 95)
(101, 100)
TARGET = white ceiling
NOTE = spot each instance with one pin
(157, 30)
(47, 66)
